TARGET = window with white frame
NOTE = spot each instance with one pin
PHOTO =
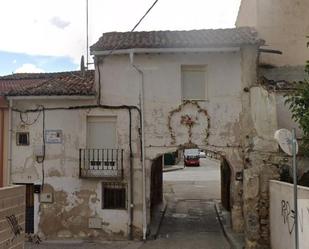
(193, 81)
(101, 132)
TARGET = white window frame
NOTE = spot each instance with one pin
(196, 68)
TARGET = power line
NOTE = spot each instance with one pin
(138, 23)
(132, 30)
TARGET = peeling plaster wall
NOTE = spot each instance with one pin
(227, 105)
(262, 164)
(75, 200)
(240, 120)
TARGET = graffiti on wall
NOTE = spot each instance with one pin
(288, 216)
(14, 225)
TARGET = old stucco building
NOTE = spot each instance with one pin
(94, 145)
(283, 24)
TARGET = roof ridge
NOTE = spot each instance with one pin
(181, 30)
(196, 38)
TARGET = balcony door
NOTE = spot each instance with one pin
(101, 132)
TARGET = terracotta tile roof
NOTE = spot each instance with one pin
(205, 38)
(35, 84)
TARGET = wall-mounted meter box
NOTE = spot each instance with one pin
(39, 150)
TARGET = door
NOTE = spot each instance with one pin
(29, 226)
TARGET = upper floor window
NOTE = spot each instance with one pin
(101, 132)
(193, 81)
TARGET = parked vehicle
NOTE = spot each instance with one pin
(202, 154)
(191, 157)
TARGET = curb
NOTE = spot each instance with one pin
(156, 224)
(235, 243)
(172, 169)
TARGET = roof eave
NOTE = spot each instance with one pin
(51, 97)
(166, 50)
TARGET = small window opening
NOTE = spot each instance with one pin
(114, 196)
(22, 138)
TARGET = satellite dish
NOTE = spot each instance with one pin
(284, 138)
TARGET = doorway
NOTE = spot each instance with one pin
(29, 221)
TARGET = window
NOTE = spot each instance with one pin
(193, 80)
(22, 138)
(101, 132)
(113, 196)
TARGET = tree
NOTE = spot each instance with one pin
(298, 101)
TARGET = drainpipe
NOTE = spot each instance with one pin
(9, 169)
(143, 142)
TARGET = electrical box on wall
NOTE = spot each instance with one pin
(46, 197)
(39, 151)
(95, 223)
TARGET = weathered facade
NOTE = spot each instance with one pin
(146, 109)
(282, 24)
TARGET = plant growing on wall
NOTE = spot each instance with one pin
(298, 102)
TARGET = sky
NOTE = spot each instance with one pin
(50, 35)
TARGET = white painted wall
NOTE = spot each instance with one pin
(284, 115)
(282, 219)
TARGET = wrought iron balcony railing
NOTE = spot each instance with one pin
(100, 163)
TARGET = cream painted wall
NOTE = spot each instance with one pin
(75, 200)
(162, 75)
(284, 24)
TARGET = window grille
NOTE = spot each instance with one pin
(22, 138)
(114, 196)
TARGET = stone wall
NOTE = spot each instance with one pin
(261, 165)
(12, 217)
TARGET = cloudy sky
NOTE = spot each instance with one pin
(50, 35)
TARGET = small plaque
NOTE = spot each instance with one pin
(53, 136)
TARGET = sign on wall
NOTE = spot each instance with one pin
(53, 136)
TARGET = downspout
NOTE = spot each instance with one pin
(141, 73)
(10, 144)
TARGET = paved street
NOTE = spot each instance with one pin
(190, 221)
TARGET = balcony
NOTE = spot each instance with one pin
(101, 163)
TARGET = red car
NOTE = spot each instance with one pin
(192, 161)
